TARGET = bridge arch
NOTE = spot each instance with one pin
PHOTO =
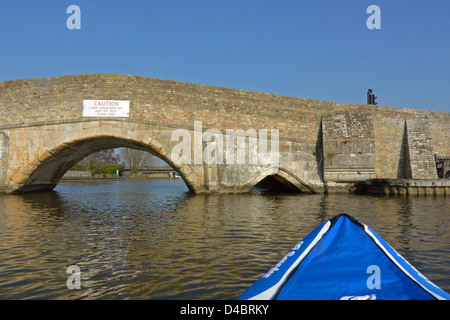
(282, 177)
(70, 146)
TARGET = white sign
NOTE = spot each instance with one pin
(106, 108)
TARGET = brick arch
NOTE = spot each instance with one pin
(48, 167)
(284, 176)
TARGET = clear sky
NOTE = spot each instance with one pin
(318, 49)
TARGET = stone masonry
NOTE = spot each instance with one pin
(420, 162)
(348, 147)
(321, 143)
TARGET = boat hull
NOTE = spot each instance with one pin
(343, 259)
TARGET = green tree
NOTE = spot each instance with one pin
(96, 161)
(111, 169)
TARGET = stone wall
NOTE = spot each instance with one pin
(159, 102)
(348, 147)
(178, 104)
(4, 152)
(419, 159)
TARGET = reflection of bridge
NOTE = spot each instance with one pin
(45, 129)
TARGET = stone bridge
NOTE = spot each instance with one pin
(321, 146)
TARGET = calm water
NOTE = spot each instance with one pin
(150, 239)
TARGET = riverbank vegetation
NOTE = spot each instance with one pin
(113, 162)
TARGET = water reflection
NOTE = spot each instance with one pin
(151, 239)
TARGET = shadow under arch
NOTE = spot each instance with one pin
(279, 179)
(49, 172)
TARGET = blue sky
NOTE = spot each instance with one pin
(312, 49)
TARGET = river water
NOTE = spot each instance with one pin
(151, 239)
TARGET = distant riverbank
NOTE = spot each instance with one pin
(114, 178)
(155, 173)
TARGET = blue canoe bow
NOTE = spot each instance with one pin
(343, 259)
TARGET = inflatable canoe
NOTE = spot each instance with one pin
(343, 259)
